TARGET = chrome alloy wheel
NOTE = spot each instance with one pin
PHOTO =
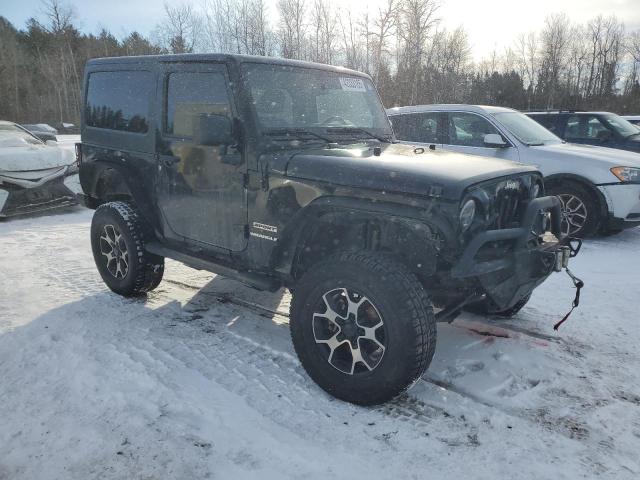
(113, 247)
(574, 214)
(350, 331)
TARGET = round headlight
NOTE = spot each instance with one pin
(466, 214)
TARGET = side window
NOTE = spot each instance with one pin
(547, 121)
(468, 129)
(119, 100)
(191, 94)
(417, 127)
(585, 127)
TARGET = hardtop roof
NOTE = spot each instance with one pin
(218, 57)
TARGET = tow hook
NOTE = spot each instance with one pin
(578, 284)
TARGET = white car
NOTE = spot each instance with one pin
(599, 187)
(34, 176)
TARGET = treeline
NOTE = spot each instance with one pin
(401, 44)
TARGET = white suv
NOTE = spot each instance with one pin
(599, 187)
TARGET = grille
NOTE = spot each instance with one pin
(509, 203)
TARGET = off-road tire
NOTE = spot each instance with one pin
(145, 270)
(587, 197)
(485, 308)
(404, 307)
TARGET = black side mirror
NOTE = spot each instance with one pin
(212, 129)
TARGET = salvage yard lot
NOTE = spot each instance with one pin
(200, 380)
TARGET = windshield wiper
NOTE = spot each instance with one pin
(359, 130)
(298, 133)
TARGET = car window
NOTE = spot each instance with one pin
(191, 94)
(119, 100)
(547, 121)
(585, 127)
(416, 127)
(286, 96)
(468, 129)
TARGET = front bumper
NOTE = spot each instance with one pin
(623, 204)
(527, 261)
(19, 201)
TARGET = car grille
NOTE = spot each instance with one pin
(509, 200)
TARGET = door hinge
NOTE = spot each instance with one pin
(245, 180)
(246, 231)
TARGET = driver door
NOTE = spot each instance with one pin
(201, 190)
(465, 134)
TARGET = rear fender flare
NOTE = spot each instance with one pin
(138, 194)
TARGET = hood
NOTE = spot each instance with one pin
(612, 156)
(20, 156)
(399, 169)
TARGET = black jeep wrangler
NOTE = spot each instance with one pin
(286, 174)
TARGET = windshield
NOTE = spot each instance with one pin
(14, 136)
(326, 103)
(620, 125)
(525, 129)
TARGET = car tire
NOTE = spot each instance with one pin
(485, 308)
(577, 200)
(394, 333)
(118, 236)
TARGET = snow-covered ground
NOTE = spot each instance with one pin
(199, 379)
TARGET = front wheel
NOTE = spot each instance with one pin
(362, 326)
(118, 237)
(580, 215)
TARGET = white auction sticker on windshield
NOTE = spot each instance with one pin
(352, 84)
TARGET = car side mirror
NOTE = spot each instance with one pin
(212, 129)
(51, 143)
(494, 140)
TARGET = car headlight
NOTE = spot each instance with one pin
(466, 214)
(626, 174)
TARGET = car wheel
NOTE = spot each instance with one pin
(485, 308)
(362, 326)
(580, 213)
(118, 236)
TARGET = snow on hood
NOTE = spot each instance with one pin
(613, 156)
(19, 153)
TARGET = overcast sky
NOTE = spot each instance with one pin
(489, 23)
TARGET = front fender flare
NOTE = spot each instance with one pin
(284, 255)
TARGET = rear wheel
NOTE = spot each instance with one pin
(118, 236)
(580, 213)
(362, 326)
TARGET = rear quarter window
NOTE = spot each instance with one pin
(119, 100)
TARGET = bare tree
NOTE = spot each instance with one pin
(416, 20)
(292, 28)
(178, 33)
(555, 40)
(383, 29)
